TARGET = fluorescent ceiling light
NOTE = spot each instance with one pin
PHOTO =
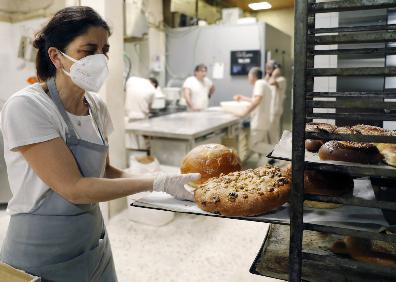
(260, 6)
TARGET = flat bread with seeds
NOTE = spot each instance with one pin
(245, 193)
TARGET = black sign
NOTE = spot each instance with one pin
(243, 61)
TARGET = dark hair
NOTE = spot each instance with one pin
(258, 73)
(63, 28)
(200, 67)
(154, 81)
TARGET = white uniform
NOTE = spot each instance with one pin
(139, 97)
(278, 97)
(28, 117)
(260, 118)
(199, 91)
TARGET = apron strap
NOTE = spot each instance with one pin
(94, 113)
(58, 103)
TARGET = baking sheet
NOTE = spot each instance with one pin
(370, 219)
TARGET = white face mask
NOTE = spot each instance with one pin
(88, 73)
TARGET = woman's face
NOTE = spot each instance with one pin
(94, 41)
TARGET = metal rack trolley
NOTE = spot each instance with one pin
(306, 38)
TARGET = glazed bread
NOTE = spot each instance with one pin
(348, 151)
(326, 183)
(210, 160)
(313, 145)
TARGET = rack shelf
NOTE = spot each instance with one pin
(319, 263)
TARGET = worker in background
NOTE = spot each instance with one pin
(140, 93)
(57, 155)
(259, 108)
(198, 89)
(277, 82)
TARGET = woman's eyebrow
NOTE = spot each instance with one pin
(94, 45)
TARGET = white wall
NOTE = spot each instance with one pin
(15, 71)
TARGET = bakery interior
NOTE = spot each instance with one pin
(311, 200)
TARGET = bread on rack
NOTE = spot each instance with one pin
(349, 151)
(361, 250)
(245, 193)
(313, 145)
(326, 183)
(389, 152)
(210, 160)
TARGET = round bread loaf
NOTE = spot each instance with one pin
(326, 183)
(348, 151)
(313, 145)
(210, 160)
(319, 127)
(245, 193)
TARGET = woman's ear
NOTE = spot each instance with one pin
(54, 55)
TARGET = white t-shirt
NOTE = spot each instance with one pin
(278, 96)
(199, 91)
(29, 116)
(139, 97)
(260, 116)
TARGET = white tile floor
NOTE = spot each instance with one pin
(189, 248)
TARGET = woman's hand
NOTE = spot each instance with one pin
(173, 184)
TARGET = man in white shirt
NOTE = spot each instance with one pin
(140, 93)
(198, 89)
(277, 82)
(260, 112)
(139, 97)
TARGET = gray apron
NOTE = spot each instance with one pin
(59, 240)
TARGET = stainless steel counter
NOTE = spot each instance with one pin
(184, 125)
(172, 136)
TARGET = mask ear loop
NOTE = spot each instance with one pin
(67, 57)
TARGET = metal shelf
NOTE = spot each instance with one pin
(372, 71)
(390, 94)
(352, 116)
(382, 27)
(350, 137)
(360, 103)
(353, 201)
(272, 260)
(357, 51)
(348, 264)
(351, 5)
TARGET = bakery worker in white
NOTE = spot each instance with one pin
(56, 151)
(140, 93)
(277, 82)
(259, 109)
(198, 89)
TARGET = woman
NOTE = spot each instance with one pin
(55, 137)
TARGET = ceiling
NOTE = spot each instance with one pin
(243, 4)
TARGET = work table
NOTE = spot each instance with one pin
(172, 136)
(184, 125)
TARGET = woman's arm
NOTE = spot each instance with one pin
(53, 162)
(242, 98)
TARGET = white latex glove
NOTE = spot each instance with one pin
(173, 184)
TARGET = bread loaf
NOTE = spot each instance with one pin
(210, 160)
